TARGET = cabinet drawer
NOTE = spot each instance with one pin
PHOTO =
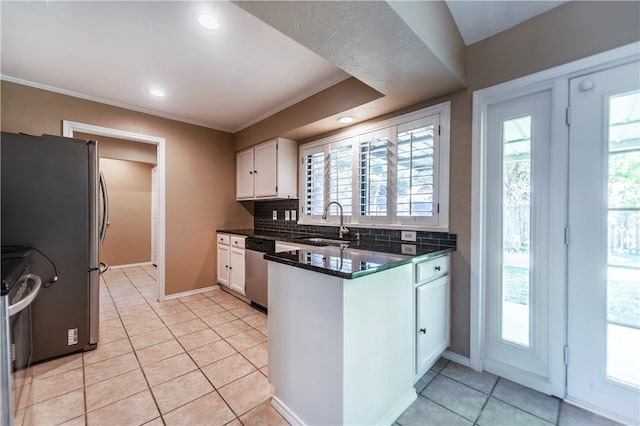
(427, 271)
(223, 239)
(237, 242)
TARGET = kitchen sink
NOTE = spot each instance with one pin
(326, 241)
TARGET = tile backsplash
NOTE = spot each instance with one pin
(263, 219)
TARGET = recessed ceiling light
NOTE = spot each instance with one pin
(157, 92)
(346, 119)
(208, 22)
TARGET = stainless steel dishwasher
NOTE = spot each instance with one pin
(256, 270)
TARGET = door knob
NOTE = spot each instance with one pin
(437, 268)
(423, 330)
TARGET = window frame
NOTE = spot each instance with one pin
(438, 222)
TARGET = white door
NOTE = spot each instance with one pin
(265, 169)
(244, 174)
(223, 265)
(523, 337)
(236, 270)
(154, 216)
(604, 242)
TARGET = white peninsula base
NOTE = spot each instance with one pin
(340, 350)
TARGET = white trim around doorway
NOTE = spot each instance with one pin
(558, 77)
(68, 127)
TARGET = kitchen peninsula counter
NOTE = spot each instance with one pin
(341, 332)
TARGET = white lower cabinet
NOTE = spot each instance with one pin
(223, 264)
(432, 298)
(230, 269)
(236, 273)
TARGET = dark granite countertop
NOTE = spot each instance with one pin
(357, 259)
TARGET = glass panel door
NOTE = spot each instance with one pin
(517, 312)
(603, 371)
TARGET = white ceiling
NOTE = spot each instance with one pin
(479, 19)
(230, 78)
(117, 51)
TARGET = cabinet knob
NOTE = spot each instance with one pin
(255, 171)
(250, 172)
(437, 268)
(230, 268)
(423, 330)
(226, 266)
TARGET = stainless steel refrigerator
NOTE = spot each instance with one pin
(50, 201)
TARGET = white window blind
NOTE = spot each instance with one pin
(373, 169)
(313, 165)
(395, 175)
(415, 180)
(341, 177)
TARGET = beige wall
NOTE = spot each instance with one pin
(200, 189)
(128, 237)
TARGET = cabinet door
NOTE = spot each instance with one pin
(236, 264)
(223, 265)
(432, 322)
(265, 173)
(244, 174)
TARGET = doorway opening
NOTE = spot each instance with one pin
(75, 129)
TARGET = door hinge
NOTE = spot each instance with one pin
(438, 130)
(438, 208)
(568, 116)
(276, 188)
(566, 355)
(566, 235)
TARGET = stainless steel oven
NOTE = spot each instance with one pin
(20, 288)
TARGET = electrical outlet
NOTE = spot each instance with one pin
(408, 248)
(408, 236)
(294, 212)
(286, 215)
(275, 215)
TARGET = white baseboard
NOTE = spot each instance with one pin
(130, 265)
(288, 415)
(190, 292)
(452, 356)
(400, 408)
(599, 412)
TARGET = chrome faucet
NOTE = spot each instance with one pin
(342, 230)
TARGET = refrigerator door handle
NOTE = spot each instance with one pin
(103, 268)
(105, 208)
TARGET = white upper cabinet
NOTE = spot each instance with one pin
(244, 174)
(267, 170)
(265, 159)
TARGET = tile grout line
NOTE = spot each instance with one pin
(438, 373)
(137, 359)
(120, 317)
(198, 367)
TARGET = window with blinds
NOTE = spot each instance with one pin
(374, 175)
(394, 175)
(415, 172)
(314, 183)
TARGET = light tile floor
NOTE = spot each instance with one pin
(197, 360)
(202, 360)
(450, 394)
